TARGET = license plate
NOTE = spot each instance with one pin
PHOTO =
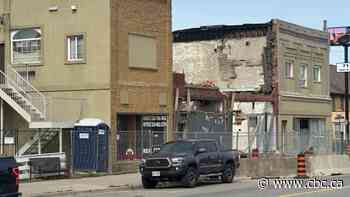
(155, 173)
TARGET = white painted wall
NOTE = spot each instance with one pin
(255, 135)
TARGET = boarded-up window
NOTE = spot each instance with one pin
(142, 51)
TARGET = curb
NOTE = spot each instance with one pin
(110, 188)
(68, 193)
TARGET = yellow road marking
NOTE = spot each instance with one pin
(313, 192)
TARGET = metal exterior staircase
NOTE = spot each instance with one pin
(32, 146)
(22, 96)
(25, 99)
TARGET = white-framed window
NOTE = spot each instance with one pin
(289, 70)
(26, 46)
(75, 48)
(316, 72)
(303, 75)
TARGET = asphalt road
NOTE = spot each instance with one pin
(240, 188)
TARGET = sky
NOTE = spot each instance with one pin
(309, 13)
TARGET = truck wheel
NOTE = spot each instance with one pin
(228, 173)
(191, 177)
(148, 184)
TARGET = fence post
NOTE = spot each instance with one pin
(1, 127)
(237, 134)
(71, 163)
(39, 142)
(142, 144)
(341, 143)
(60, 141)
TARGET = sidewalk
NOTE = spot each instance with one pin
(71, 186)
(50, 188)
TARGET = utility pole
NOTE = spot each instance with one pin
(346, 60)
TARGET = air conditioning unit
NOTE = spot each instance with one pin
(53, 9)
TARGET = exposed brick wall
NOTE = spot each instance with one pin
(142, 87)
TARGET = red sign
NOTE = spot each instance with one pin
(337, 32)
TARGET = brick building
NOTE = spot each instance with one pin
(276, 73)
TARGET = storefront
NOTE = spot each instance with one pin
(140, 134)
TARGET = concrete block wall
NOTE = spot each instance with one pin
(325, 165)
(268, 167)
(126, 166)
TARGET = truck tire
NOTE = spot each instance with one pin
(191, 177)
(148, 184)
(228, 173)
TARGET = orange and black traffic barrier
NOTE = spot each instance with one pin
(301, 166)
(255, 154)
(348, 149)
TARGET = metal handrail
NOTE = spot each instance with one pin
(8, 82)
(26, 87)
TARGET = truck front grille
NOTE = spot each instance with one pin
(158, 163)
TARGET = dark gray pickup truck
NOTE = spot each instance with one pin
(186, 161)
(9, 177)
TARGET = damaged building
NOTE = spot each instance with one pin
(274, 74)
(201, 111)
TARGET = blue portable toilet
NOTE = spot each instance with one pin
(90, 145)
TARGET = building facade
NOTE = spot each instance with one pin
(85, 60)
(276, 68)
(337, 92)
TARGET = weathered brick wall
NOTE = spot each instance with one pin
(143, 88)
(147, 17)
(238, 68)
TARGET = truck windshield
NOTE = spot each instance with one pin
(178, 147)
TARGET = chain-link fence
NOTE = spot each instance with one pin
(133, 145)
(293, 142)
(339, 137)
(223, 138)
(29, 142)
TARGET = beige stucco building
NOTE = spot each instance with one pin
(105, 59)
(276, 73)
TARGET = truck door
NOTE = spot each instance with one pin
(7, 180)
(215, 162)
(203, 159)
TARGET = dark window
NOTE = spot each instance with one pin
(209, 146)
(177, 147)
(304, 124)
(212, 147)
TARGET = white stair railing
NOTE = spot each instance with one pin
(36, 98)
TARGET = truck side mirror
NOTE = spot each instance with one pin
(201, 150)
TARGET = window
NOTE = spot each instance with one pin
(29, 75)
(212, 147)
(338, 103)
(317, 73)
(142, 51)
(177, 147)
(289, 70)
(209, 146)
(75, 48)
(303, 75)
(26, 46)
